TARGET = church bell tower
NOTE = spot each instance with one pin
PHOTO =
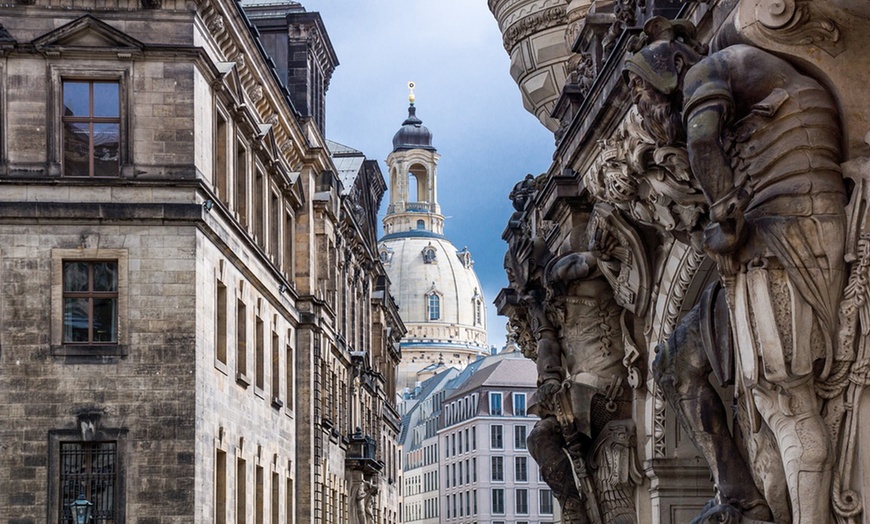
(413, 178)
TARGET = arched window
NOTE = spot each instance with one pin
(434, 304)
(421, 224)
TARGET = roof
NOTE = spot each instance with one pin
(348, 162)
(502, 370)
(413, 134)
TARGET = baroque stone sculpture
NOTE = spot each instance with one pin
(585, 441)
(763, 143)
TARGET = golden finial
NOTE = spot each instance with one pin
(411, 86)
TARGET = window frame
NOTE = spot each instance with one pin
(492, 411)
(94, 352)
(515, 397)
(66, 436)
(541, 499)
(521, 430)
(500, 510)
(492, 436)
(119, 72)
(91, 120)
(91, 295)
(429, 308)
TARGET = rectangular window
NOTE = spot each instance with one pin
(474, 439)
(474, 499)
(90, 302)
(289, 240)
(460, 441)
(259, 207)
(89, 468)
(474, 469)
(521, 469)
(290, 364)
(497, 469)
(274, 499)
(447, 476)
(221, 323)
(221, 174)
(495, 404)
(241, 491)
(522, 501)
(276, 368)
(241, 196)
(220, 488)
(453, 444)
(520, 437)
(496, 436)
(546, 506)
(498, 501)
(259, 354)
(289, 497)
(241, 340)
(274, 226)
(467, 471)
(519, 404)
(259, 496)
(91, 128)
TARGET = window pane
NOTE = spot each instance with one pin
(75, 319)
(76, 99)
(105, 314)
(106, 99)
(75, 276)
(89, 469)
(105, 276)
(106, 149)
(76, 149)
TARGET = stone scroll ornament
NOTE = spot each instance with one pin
(585, 441)
(763, 143)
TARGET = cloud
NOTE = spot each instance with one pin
(453, 50)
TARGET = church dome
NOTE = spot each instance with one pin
(439, 298)
(413, 134)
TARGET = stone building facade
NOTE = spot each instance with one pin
(195, 323)
(661, 273)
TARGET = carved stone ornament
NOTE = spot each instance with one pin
(793, 22)
(525, 27)
(257, 93)
(216, 25)
(622, 258)
(651, 184)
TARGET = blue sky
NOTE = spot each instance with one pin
(452, 50)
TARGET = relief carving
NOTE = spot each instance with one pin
(535, 23)
(797, 22)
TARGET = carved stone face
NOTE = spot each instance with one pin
(661, 113)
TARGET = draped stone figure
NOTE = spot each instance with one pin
(585, 441)
(764, 144)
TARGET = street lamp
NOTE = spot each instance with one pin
(81, 509)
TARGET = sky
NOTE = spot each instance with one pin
(452, 50)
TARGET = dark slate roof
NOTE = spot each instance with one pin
(413, 134)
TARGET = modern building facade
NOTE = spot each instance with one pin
(488, 474)
(195, 322)
(434, 283)
(466, 452)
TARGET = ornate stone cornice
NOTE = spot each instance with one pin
(552, 17)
